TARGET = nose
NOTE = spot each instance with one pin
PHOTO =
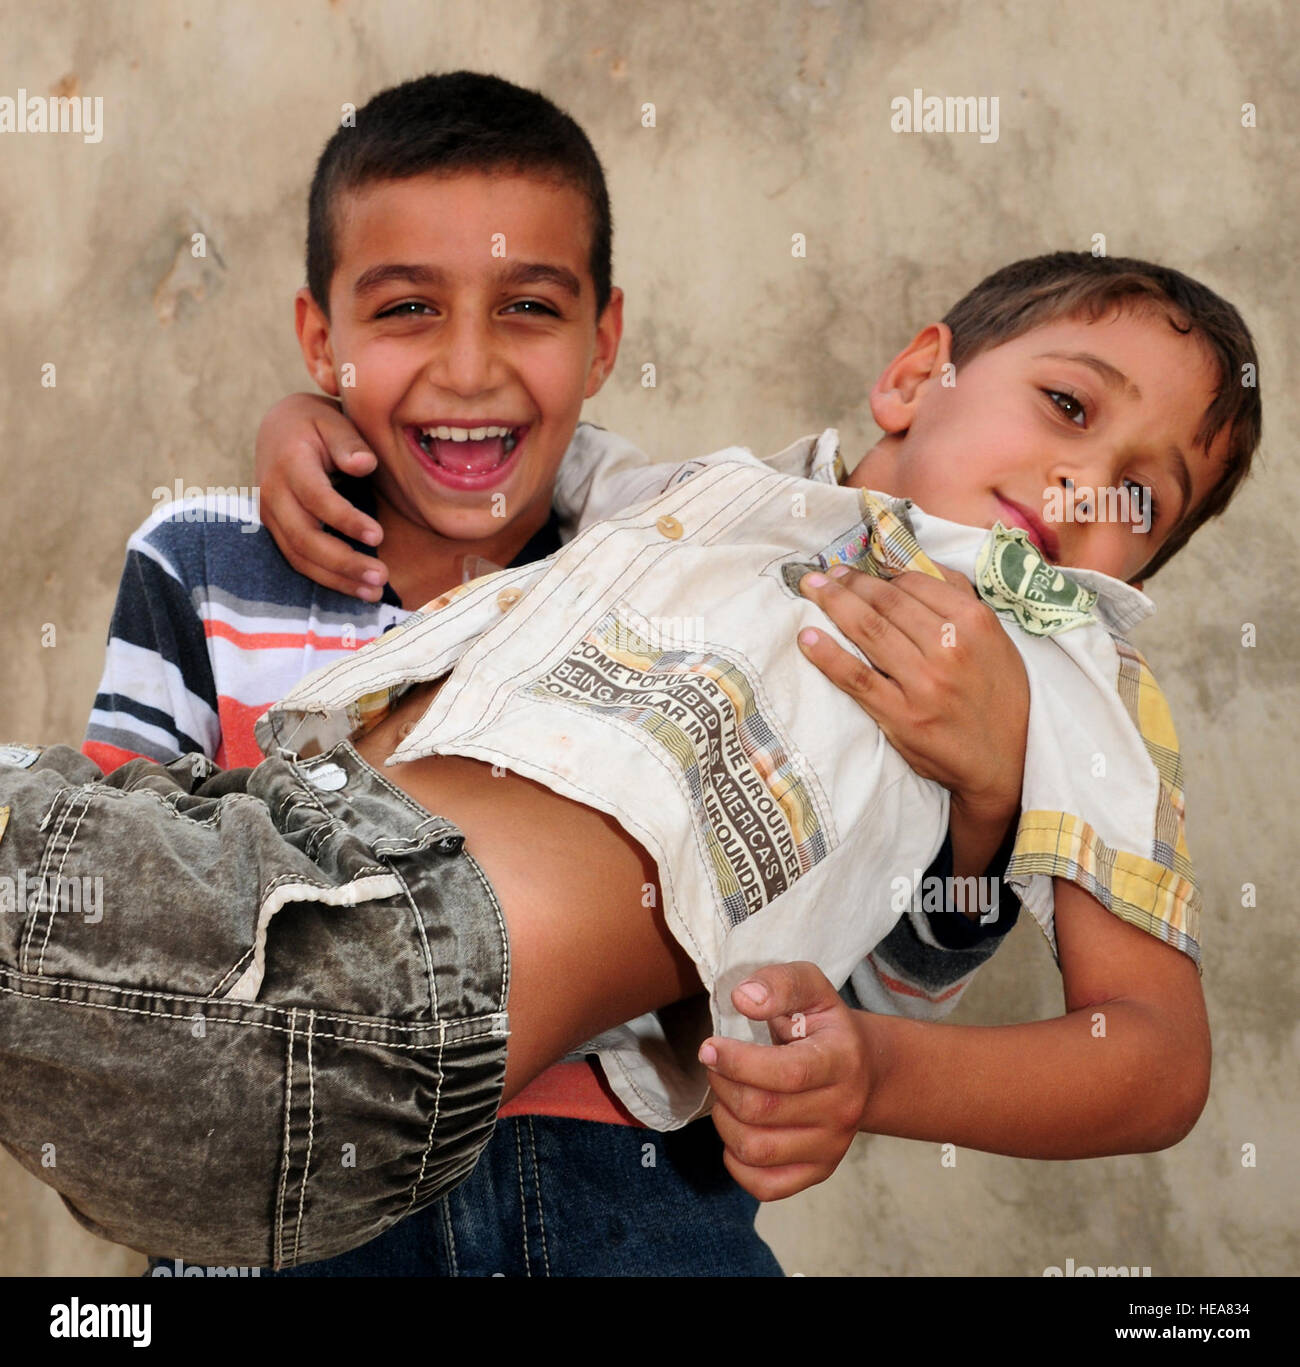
(465, 360)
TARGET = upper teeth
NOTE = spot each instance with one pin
(464, 433)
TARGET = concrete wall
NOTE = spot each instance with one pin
(771, 119)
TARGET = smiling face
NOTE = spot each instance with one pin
(1106, 409)
(466, 307)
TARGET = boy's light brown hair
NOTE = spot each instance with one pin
(1030, 293)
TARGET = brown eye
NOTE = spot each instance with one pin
(1144, 501)
(408, 308)
(1069, 405)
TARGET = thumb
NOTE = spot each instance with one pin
(779, 992)
(358, 463)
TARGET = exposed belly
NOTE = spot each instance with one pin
(588, 945)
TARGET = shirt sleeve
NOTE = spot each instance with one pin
(926, 962)
(157, 697)
(1103, 803)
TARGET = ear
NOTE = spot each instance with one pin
(609, 332)
(897, 391)
(313, 330)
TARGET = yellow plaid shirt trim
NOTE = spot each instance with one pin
(1157, 894)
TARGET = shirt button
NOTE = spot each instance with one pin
(507, 598)
(329, 778)
(669, 527)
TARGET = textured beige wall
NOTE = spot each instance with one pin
(1116, 117)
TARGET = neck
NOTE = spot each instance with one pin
(875, 470)
(422, 564)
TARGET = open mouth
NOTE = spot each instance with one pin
(468, 450)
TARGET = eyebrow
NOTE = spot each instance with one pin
(1111, 376)
(517, 273)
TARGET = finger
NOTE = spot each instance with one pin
(311, 487)
(800, 1066)
(773, 1184)
(327, 560)
(872, 688)
(916, 604)
(783, 989)
(766, 1109)
(875, 634)
(346, 446)
(879, 696)
(777, 1146)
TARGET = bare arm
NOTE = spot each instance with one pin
(1126, 1069)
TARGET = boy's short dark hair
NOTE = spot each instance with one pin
(1027, 294)
(449, 124)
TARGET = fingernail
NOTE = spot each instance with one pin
(814, 580)
(808, 637)
(372, 538)
(374, 577)
(839, 571)
(755, 991)
(708, 1054)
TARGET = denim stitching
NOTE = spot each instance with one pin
(49, 811)
(311, 1131)
(168, 802)
(523, 1203)
(501, 925)
(440, 1027)
(358, 874)
(537, 1182)
(58, 879)
(449, 1231)
(284, 1157)
(369, 771)
(46, 855)
(239, 963)
(433, 1122)
(44, 871)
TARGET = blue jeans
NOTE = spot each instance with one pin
(553, 1197)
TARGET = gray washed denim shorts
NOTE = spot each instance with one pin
(248, 1017)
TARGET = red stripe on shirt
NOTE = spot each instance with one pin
(276, 640)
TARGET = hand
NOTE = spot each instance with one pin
(787, 1114)
(949, 689)
(300, 441)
